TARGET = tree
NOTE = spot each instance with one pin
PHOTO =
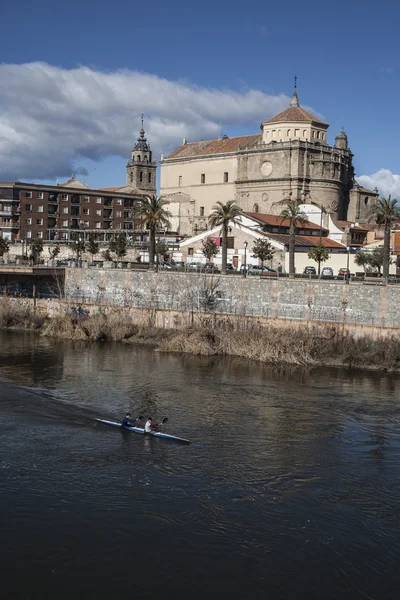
(36, 249)
(118, 245)
(222, 215)
(263, 250)
(320, 254)
(386, 213)
(4, 247)
(291, 211)
(92, 246)
(106, 255)
(362, 259)
(377, 258)
(209, 248)
(154, 216)
(77, 245)
(54, 252)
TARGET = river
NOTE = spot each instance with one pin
(290, 487)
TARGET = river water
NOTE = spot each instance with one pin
(289, 489)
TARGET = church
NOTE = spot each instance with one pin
(289, 159)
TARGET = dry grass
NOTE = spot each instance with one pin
(18, 314)
(316, 345)
(115, 326)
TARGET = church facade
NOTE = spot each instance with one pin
(290, 159)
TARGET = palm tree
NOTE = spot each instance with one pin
(154, 215)
(291, 211)
(386, 213)
(223, 214)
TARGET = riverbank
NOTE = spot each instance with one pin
(313, 345)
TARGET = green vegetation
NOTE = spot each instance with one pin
(291, 211)
(154, 216)
(263, 250)
(36, 249)
(4, 247)
(385, 213)
(93, 246)
(118, 245)
(222, 215)
(319, 254)
(209, 248)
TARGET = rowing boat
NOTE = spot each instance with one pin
(159, 434)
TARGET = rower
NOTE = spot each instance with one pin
(128, 421)
(150, 427)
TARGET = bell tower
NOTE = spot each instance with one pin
(141, 170)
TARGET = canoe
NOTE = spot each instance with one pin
(159, 434)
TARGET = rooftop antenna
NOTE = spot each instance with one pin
(295, 82)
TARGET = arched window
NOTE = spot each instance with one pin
(256, 208)
(305, 133)
(149, 177)
(138, 158)
(366, 200)
(141, 176)
(131, 177)
(288, 132)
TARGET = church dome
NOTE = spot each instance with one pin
(341, 140)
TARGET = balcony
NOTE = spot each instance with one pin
(53, 199)
(75, 199)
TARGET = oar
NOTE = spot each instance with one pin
(162, 423)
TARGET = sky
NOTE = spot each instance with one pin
(75, 78)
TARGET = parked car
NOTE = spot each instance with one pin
(230, 267)
(344, 272)
(327, 272)
(257, 270)
(309, 271)
(210, 268)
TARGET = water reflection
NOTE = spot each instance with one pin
(287, 467)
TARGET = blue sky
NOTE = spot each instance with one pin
(189, 67)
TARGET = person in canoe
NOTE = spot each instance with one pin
(151, 427)
(128, 421)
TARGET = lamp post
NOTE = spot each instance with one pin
(245, 244)
(348, 263)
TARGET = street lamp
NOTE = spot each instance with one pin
(348, 264)
(245, 244)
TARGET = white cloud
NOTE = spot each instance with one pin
(386, 182)
(50, 117)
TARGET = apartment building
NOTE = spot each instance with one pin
(52, 213)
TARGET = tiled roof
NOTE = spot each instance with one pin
(222, 146)
(122, 189)
(306, 241)
(364, 190)
(74, 183)
(353, 226)
(295, 114)
(276, 221)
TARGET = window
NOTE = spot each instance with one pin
(65, 223)
(318, 135)
(141, 176)
(297, 132)
(131, 176)
(288, 132)
(39, 221)
(305, 133)
(86, 198)
(28, 207)
(230, 242)
(149, 177)
(86, 223)
(118, 213)
(29, 234)
(203, 178)
(138, 158)
(98, 213)
(40, 235)
(255, 208)
(119, 201)
(273, 133)
(190, 251)
(98, 200)
(28, 221)
(39, 208)
(86, 211)
(118, 226)
(64, 196)
(202, 211)
(180, 180)
(366, 200)
(226, 177)
(98, 225)
(65, 210)
(64, 235)
(28, 194)
(39, 196)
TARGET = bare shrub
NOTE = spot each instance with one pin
(19, 314)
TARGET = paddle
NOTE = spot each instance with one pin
(160, 424)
